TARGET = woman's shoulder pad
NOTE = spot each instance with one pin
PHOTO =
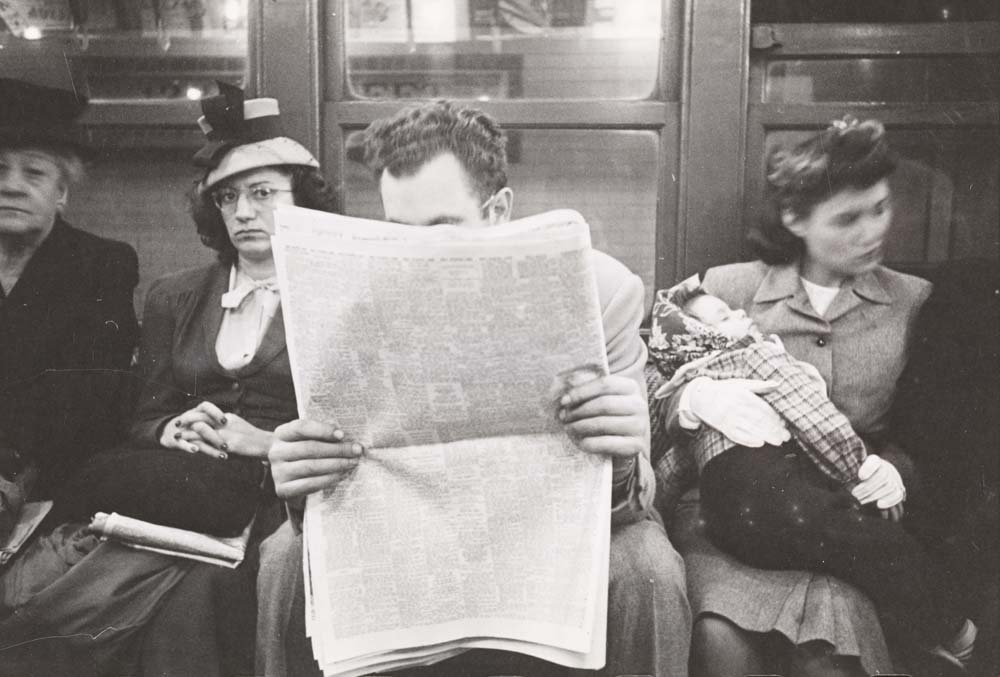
(184, 280)
(747, 275)
(84, 240)
(904, 283)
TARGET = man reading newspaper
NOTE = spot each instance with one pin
(438, 163)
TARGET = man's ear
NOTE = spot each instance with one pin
(793, 223)
(502, 206)
(62, 199)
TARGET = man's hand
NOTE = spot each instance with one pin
(308, 456)
(605, 415)
(733, 408)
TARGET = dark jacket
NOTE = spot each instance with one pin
(179, 370)
(67, 332)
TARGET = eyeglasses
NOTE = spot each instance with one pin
(262, 196)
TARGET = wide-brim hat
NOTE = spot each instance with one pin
(243, 135)
(40, 116)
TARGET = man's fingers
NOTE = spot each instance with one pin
(606, 405)
(600, 426)
(610, 445)
(294, 452)
(597, 387)
(305, 486)
(319, 467)
(307, 429)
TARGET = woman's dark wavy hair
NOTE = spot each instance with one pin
(310, 189)
(846, 155)
(405, 142)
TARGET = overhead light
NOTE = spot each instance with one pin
(194, 93)
(32, 33)
(233, 11)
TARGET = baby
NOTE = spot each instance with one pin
(695, 334)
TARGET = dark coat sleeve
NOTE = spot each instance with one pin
(947, 410)
(79, 402)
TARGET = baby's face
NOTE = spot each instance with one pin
(713, 311)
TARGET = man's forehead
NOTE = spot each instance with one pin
(438, 192)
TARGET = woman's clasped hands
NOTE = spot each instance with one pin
(206, 429)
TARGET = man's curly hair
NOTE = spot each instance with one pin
(405, 142)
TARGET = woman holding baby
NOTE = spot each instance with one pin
(819, 285)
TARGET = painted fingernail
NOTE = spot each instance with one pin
(193, 447)
(177, 423)
(357, 449)
(338, 434)
(177, 436)
(223, 455)
(224, 447)
(223, 420)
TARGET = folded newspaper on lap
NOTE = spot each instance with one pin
(472, 521)
(226, 552)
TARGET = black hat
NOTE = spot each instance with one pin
(34, 115)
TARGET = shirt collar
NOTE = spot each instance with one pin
(782, 282)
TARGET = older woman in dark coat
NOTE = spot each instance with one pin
(67, 326)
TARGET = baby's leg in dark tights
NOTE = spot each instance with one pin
(773, 509)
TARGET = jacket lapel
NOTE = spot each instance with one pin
(782, 282)
(270, 346)
(211, 314)
(866, 288)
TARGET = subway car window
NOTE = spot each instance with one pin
(144, 50)
(864, 80)
(928, 70)
(565, 49)
(589, 91)
(144, 66)
(873, 11)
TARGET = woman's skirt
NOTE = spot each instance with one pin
(800, 605)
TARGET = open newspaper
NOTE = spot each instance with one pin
(141, 535)
(472, 520)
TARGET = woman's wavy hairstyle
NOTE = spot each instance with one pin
(846, 155)
(405, 142)
(310, 189)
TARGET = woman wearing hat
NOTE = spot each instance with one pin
(213, 363)
(67, 326)
(215, 381)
